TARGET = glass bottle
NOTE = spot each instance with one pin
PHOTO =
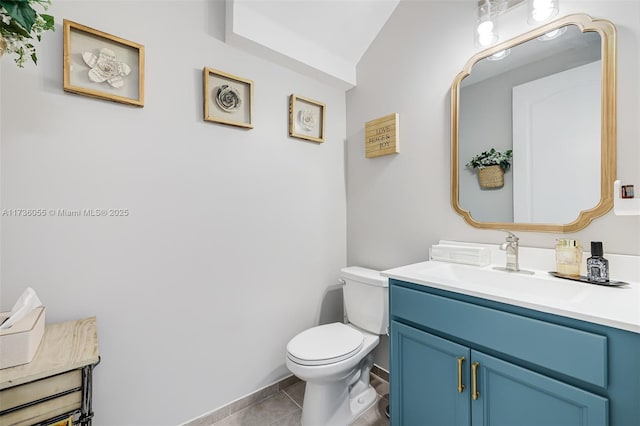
(597, 266)
(568, 257)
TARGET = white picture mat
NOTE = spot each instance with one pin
(300, 105)
(80, 42)
(242, 114)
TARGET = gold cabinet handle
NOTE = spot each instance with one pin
(474, 381)
(460, 385)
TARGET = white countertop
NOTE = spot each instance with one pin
(617, 307)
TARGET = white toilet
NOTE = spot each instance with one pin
(335, 359)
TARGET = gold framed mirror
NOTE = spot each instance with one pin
(552, 101)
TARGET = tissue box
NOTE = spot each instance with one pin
(19, 343)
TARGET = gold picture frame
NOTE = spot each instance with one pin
(306, 118)
(228, 99)
(101, 65)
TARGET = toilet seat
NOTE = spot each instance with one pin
(325, 344)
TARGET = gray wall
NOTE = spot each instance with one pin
(485, 123)
(399, 205)
(233, 235)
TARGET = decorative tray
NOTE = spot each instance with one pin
(584, 279)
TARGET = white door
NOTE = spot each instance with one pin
(546, 141)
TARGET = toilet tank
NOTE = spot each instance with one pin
(366, 298)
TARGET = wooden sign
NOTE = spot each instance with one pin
(381, 136)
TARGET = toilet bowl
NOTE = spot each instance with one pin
(335, 359)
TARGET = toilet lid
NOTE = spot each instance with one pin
(325, 344)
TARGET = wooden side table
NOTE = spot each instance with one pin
(57, 384)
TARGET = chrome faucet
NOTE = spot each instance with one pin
(511, 247)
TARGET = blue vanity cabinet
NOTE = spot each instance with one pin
(529, 368)
(425, 379)
(438, 382)
(509, 395)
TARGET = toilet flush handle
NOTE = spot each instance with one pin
(341, 281)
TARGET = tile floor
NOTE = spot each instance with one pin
(285, 409)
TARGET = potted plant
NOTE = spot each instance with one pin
(20, 24)
(491, 166)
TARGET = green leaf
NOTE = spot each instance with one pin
(49, 22)
(21, 12)
(14, 28)
(34, 58)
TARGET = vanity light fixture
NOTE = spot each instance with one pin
(486, 28)
(553, 34)
(542, 10)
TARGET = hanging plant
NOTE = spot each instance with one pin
(491, 166)
(492, 158)
(20, 24)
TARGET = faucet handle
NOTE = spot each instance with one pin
(511, 237)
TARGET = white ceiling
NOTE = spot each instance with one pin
(326, 38)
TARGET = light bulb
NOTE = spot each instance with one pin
(542, 13)
(487, 39)
(552, 34)
(542, 3)
(542, 10)
(485, 27)
(499, 55)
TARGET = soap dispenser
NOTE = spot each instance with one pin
(597, 265)
(568, 257)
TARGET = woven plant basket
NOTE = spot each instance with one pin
(491, 177)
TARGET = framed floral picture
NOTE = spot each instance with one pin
(228, 99)
(102, 65)
(306, 119)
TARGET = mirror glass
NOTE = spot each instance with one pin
(544, 96)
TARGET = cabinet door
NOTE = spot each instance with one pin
(513, 396)
(424, 379)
